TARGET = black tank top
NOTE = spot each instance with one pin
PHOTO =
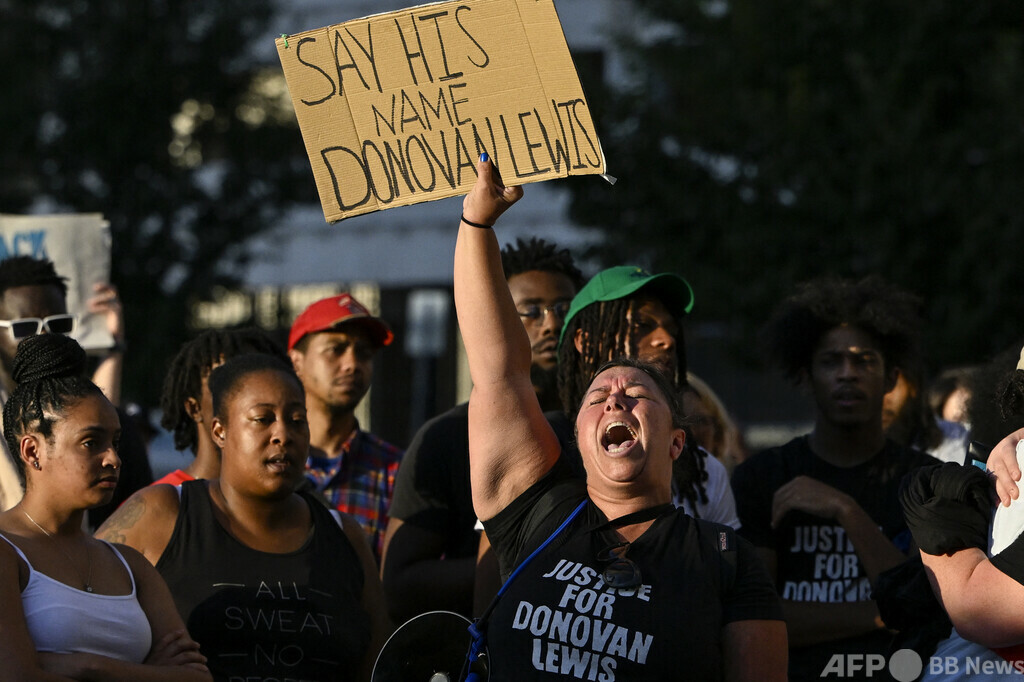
(260, 616)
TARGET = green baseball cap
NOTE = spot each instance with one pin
(621, 281)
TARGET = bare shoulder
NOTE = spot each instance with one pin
(144, 522)
(148, 505)
(141, 568)
(131, 555)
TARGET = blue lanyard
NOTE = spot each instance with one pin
(478, 628)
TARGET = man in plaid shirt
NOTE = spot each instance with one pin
(332, 344)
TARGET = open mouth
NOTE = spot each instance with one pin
(278, 464)
(618, 437)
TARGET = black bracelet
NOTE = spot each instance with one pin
(472, 224)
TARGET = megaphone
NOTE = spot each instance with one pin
(431, 647)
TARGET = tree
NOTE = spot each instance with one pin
(158, 115)
(761, 144)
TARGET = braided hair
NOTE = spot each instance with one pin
(609, 335)
(539, 254)
(195, 360)
(23, 271)
(49, 370)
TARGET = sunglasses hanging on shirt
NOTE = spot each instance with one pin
(621, 571)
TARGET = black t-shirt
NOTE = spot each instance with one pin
(816, 561)
(432, 485)
(559, 621)
(259, 616)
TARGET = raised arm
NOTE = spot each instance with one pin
(511, 445)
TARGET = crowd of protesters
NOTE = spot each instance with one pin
(594, 505)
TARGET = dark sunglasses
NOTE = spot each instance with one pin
(535, 312)
(620, 572)
(30, 326)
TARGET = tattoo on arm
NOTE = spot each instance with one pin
(125, 518)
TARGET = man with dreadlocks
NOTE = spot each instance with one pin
(430, 547)
(186, 402)
(823, 509)
(34, 295)
(626, 311)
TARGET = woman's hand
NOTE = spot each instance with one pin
(489, 197)
(1002, 462)
(511, 445)
(176, 648)
(168, 652)
(76, 666)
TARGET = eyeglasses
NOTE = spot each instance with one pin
(534, 312)
(30, 326)
(620, 571)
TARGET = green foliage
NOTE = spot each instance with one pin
(157, 114)
(761, 144)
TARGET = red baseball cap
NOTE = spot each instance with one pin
(326, 314)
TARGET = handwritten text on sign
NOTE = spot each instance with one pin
(396, 108)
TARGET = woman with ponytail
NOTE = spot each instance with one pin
(75, 608)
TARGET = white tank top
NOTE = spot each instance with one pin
(62, 619)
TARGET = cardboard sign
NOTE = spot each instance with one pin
(79, 246)
(396, 108)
